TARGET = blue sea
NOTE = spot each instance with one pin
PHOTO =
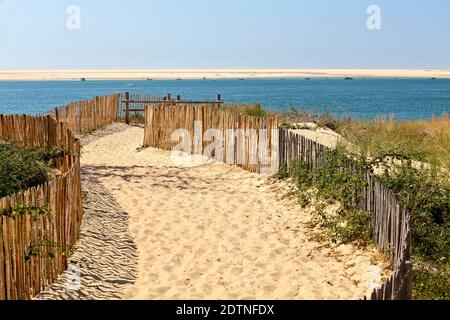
(358, 98)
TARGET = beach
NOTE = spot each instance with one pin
(205, 232)
(169, 74)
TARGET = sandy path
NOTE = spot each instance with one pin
(104, 260)
(218, 232)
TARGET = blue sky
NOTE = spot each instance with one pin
(224, 34)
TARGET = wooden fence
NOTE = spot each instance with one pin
(245, 141)
(391, 222)
(34, 242)
(121, 112)
(87, 115)
(31, 131)
(132, 107)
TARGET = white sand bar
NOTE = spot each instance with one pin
(218, 74)
(219, 232)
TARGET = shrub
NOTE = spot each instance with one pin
(254, 110)
(424, 192)
(22, 168)
(333, 183)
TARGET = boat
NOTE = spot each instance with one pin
(307, 78)
(83, 79)
(348, 78)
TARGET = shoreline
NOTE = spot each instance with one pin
(215, 74)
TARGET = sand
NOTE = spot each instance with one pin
(218, 74)
(324, 136)
(216, 232)
(104, 261)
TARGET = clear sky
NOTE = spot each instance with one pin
(224, 34)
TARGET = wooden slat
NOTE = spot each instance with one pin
(21, 278)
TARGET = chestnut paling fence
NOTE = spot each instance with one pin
(39, 226)
(391, 222)
(247, 141)
(87, 115)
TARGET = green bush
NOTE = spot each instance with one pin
(424, 192)
(431, 283)
(22, 168)
(330, 184)
(254, 110)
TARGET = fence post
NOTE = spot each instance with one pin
(127, 108)
(219, 99)
(49, 119)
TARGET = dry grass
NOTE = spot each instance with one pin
(423, 140)
(248, 109)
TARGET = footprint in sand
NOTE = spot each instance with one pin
(236, 271)
(162, 290)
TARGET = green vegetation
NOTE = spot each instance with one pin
(426, 194)
(24, 209)
(421, 182)
(250, 110)
(412, 158)
(22, 168)
(333, 184)
(294, 116)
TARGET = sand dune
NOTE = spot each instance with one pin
(219, 232)
(218, 74)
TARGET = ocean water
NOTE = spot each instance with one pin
(358, 98)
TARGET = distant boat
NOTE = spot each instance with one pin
(179, 79)
(241, 79)
(348, 78)
(83, 79)
(433, 79)
(149, 79)
(132, 85)
(307, 78)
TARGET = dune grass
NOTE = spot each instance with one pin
(422, 140)
(248, 109)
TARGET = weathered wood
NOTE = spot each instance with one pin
(23, 276)
(391, 223)
(127, 108)
(87, 115)
(248, 142)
